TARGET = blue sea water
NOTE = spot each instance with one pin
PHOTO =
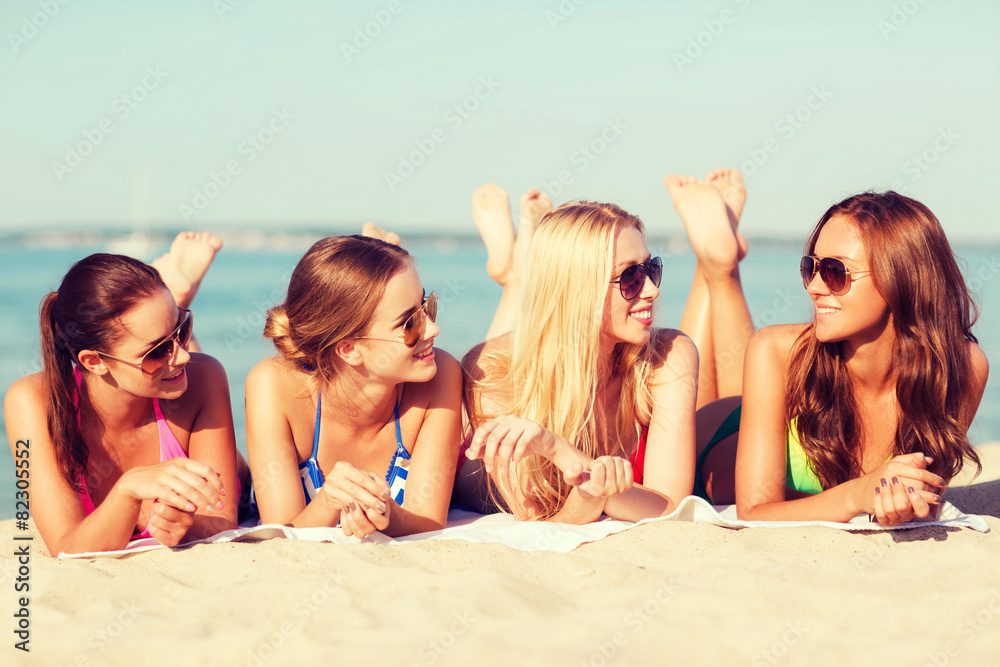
(244, 282)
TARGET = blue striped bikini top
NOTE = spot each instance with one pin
(312, 476)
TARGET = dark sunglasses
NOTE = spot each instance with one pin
(416, 324)
(159, 355)
(832, 272)
(633, 279)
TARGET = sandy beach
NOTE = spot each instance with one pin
(661, 594)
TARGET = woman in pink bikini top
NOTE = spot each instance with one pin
(129, 434)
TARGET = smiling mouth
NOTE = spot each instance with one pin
(426, 353)
(823, 310)
(174, 377)
(646, 314)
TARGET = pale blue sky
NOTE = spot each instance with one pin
(329, 126)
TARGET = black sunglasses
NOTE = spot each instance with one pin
(633, 279)
(832, 272)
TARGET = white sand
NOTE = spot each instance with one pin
(666, 593)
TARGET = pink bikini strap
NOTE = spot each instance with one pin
(170, 448)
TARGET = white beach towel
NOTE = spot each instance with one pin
(544, 536)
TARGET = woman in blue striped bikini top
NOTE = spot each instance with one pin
(357, 419)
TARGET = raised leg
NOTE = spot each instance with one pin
(506, 254)
(184, 266)
(716, 315)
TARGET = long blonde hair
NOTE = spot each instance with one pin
(553, 371)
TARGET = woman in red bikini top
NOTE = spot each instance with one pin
(129, 434)
(585, 408)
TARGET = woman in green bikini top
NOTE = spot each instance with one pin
(865, 409)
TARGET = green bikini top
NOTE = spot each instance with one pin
(799, 472)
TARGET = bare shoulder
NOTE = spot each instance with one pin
(25, 393)
(673, 343)
(206, 369)
(26, 411)
(980, 364)
(675, 353)
(274, 374)
(207, 381)
(480, 361)
(775, 343)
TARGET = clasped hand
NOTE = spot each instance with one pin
(901, 489)
(363, 499)
(179, 488)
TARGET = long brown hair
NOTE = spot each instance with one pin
(914, 270)
(552, 373)
(332, 295)
(82, 315)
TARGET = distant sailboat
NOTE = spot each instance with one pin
(139, 243)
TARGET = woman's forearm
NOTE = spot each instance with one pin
(580, 508)
(108, 528)
(639, 503)
(836, 504)
(404, 522)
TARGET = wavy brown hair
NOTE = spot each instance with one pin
(914, 270)
(332, 294)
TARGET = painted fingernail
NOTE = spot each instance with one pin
(884, 483)
(895, 480)
(381, 508)
(354, 506)
(220, 505)
(385, 496)
(878, 491)
(937, 498)
(210, 509)
(910, 489)
(190, 507)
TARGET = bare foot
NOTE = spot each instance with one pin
(491, 212)
(183, 267)
(534, 205)
(374, 231)
(729, 183)
(705, 217)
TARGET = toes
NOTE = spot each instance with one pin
(672, 181)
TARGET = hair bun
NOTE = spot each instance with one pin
(279, 330)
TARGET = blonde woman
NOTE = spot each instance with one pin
(585, 408)
(356, 420)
